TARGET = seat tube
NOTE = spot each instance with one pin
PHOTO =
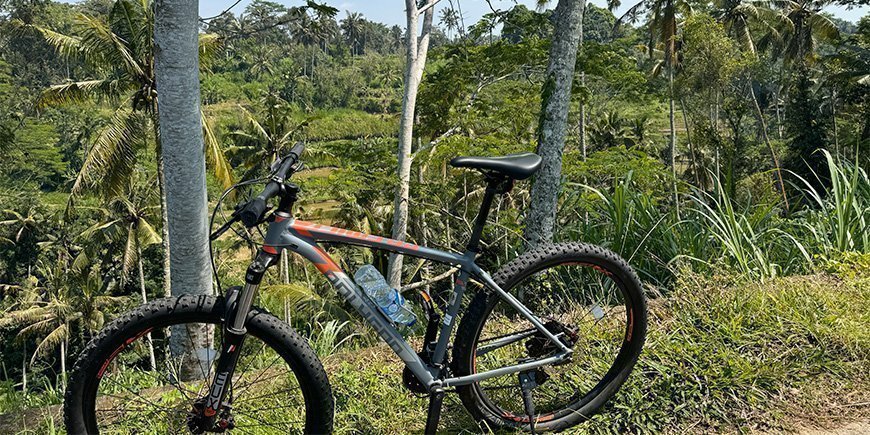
(450, 314)
(480, 220)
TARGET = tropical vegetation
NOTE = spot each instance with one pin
(721, 147)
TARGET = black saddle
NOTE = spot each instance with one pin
(516, 166)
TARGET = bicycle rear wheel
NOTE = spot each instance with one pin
(585, 293)
(279, 384)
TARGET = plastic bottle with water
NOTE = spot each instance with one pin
(388, 299)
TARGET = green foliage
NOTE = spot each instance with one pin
(718, 356)
(808, 130)
(749, 239)
(840, 223)
(33, 155)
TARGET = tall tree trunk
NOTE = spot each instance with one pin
(834, 121)
(164, 212)
(151, 358)
(176, 57)
(24, 369)
(778, 113)
(672, 141)
(695, 171)
(63, 363)
(285, 267)
(763, 127)
(415, 59)
(552, 127)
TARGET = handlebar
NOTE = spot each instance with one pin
(253, 211)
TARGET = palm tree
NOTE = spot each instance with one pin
(663, 28)
(450, 20)
(802, 26)
(353, 29)
(22, 227)
(122, 51)
(267, 134)
(70, 300)
(129, 223)
(738, 16)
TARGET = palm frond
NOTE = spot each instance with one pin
(824, 27)
(147, 234)
(100, 43)
(131, 253)
(127, 21)
(255, 125)
(51, 341)
(79, 92)
(110, 161)
(209, 47)
(305, 300)
(214, 154)
(22, 317)
(65, 45)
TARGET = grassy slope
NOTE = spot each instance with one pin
(720, 357)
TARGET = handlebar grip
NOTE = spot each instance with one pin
(297, 150)
(253, 212)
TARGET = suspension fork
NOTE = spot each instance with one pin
(234, 333)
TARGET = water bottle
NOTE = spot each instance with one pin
(388, 299)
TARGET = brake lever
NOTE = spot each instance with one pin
(220, 231)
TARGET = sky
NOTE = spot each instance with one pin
(393, 11)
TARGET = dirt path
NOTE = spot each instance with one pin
(855, 428)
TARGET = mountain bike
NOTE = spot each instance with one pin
(541, 345)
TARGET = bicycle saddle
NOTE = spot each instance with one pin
(517, 166)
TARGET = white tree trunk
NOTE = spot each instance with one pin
(24, 370)
(176, 56)
(152, 359)
(552, 129)
(63, 363)
(417, 50)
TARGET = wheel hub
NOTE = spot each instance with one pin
(539, 346)
(199, 421)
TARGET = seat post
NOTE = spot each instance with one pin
(495, 184)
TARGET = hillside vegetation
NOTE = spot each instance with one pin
(720, 148)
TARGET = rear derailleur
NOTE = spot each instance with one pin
(539, 346)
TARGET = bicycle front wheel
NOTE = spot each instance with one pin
(149, 370)
(585, 295)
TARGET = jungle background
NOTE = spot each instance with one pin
(718, 146)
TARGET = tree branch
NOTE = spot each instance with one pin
(207, 19)
(427, 6)
(435, 279)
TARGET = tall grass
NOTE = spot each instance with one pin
(626, 221)
(750, 240)
(719, 234)
(840, 221)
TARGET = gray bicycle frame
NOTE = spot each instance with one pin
(302, 237)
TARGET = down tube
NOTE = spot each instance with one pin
(363, 305)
